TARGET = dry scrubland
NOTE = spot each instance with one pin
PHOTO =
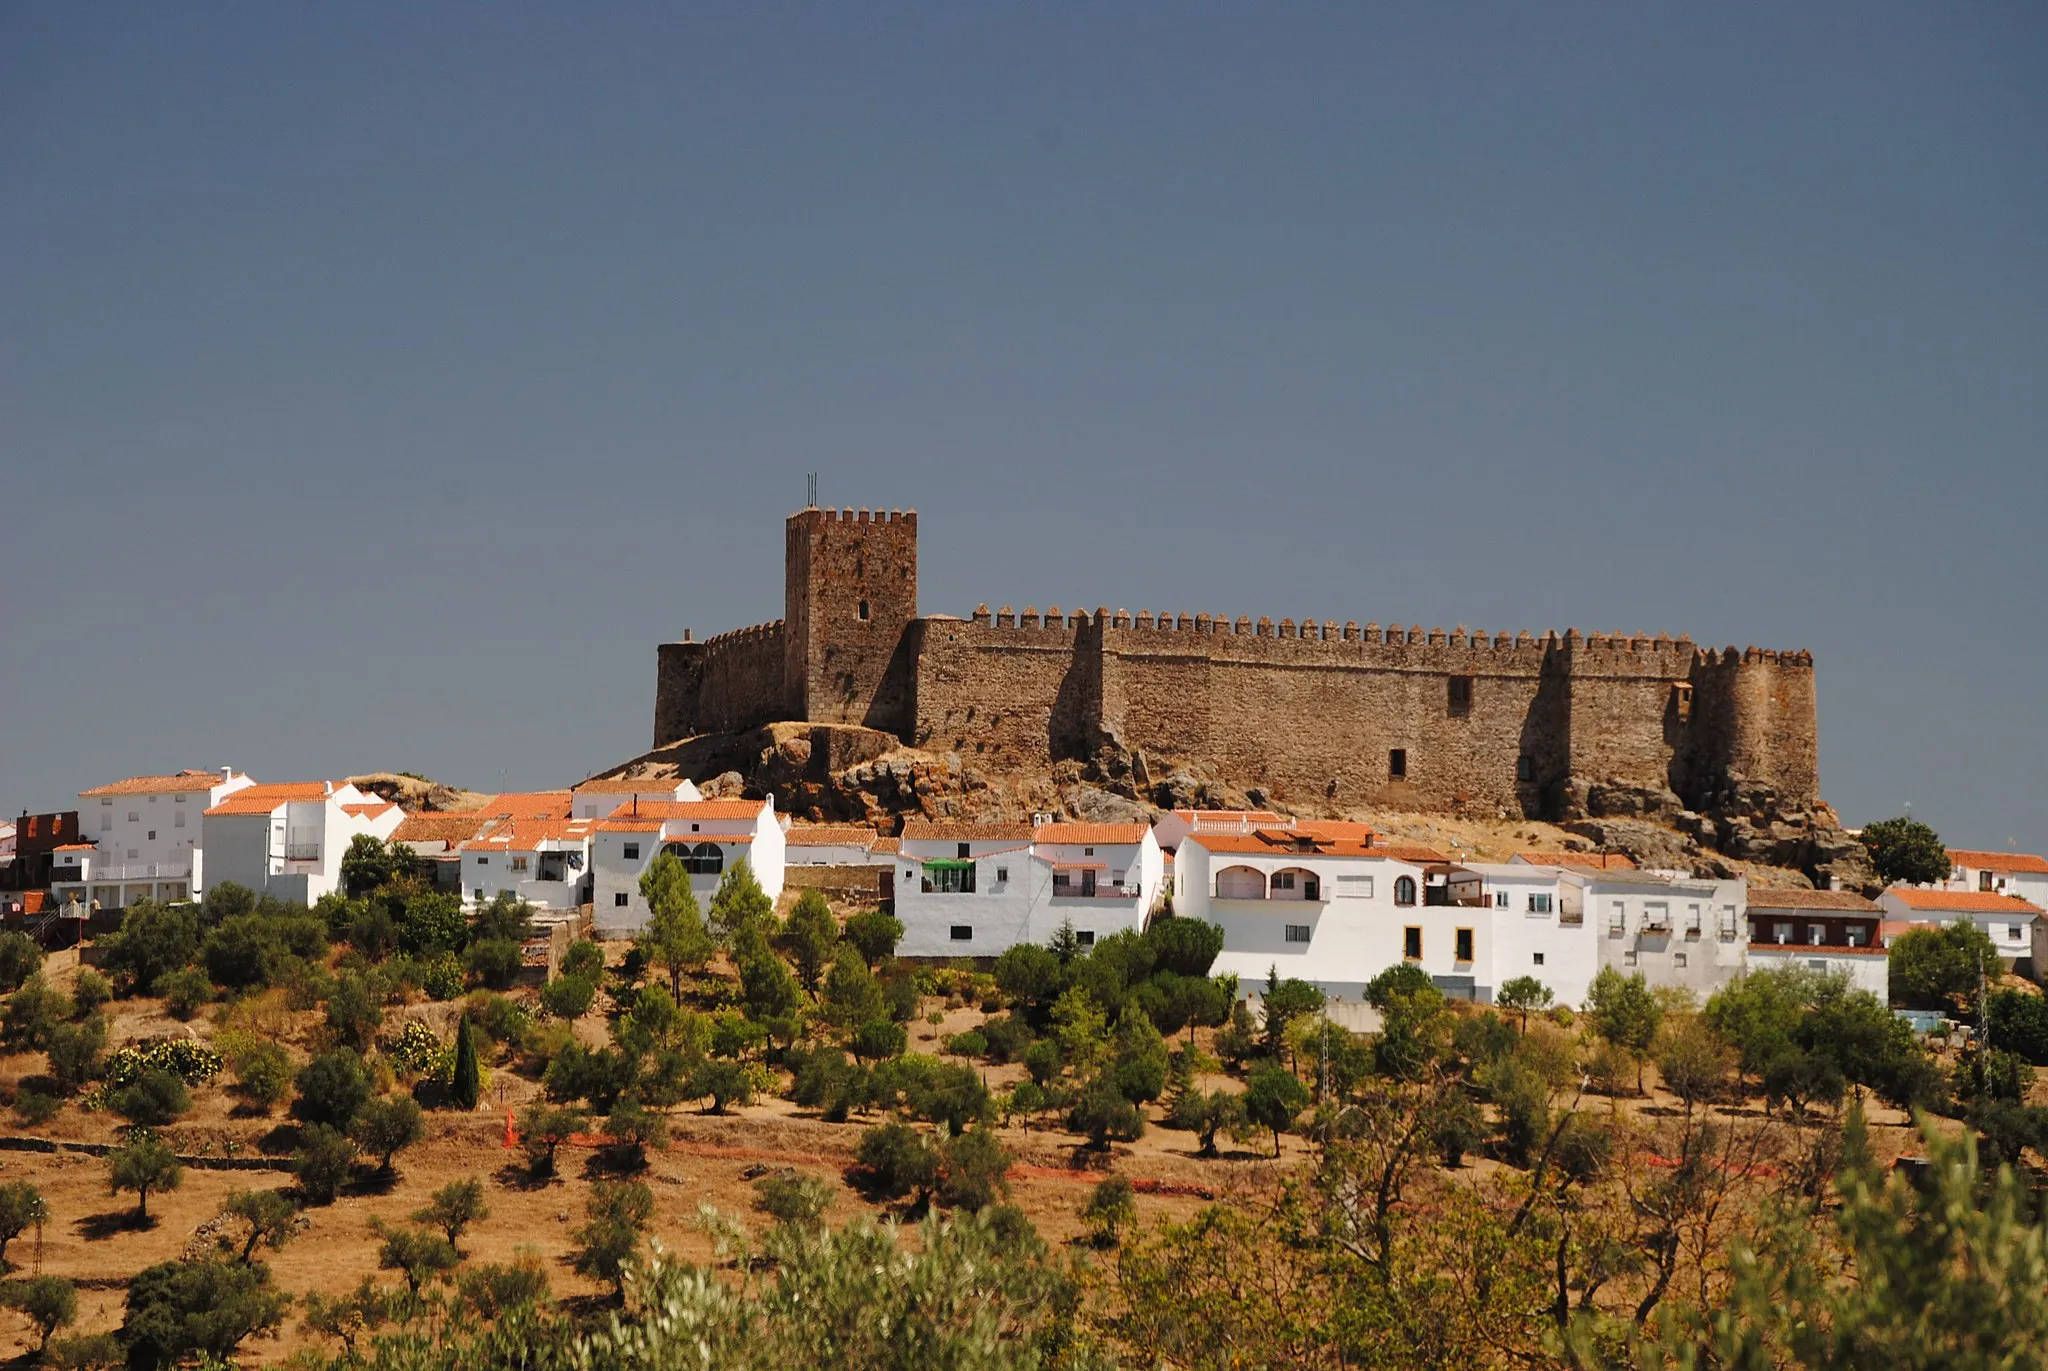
(1746, 1152)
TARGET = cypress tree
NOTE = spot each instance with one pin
(468, 1086)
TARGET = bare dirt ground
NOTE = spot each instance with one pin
(91, 1240)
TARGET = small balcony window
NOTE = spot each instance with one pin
(1297, 933)
(1411, 943)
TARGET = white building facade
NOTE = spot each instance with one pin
(147, 839)
(2019, 874)
(1684, 932)
(600, 799)
(1835, 932)
(545, 862)
(977, 890)
(287, 840)
(1535, 925)
(708, 836)
(2008, 921)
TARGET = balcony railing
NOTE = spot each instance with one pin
(302, 852)
(1061, 890)
(126, 871)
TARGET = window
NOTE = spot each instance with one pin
(1461, 695)
(1002, 875)
(1462, 949)
(519, 863)
(1411, 943)
(1525, 768)
(479, 892)
(1397, 764)
(1983, 880)
(1538, 957)
(1283, 880)
(178, 819)
(2012, 931)
(1087, 852)
(1818, 964)
(152, 835)
(1727, 921)
(1656, 914)
(1692, 921)
(963, 933)
(619, 899)
(1357, 886)
(1404, 890)
(1617, 916)
(1681, 700)
(696, 828)
(1816, 935)
(132, 854)
(862, 611)
(632, 853)
(964, 851)
(1297, 933)
(483, 861)
(134, 817)
(1781, 933)
(1678, 959)
(949, 879)
(109, 804)
(180, 799)
(1085, 938)
(1539, 903)
(1628, 958)
(1500, 899)
(106, 821)
(704, 859)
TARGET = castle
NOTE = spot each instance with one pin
(1312, 712)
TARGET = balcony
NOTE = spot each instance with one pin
(302, 852)
(127, 871)
(1070, 890)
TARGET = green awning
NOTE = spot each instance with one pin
(949, 864)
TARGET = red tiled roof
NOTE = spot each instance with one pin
(1243, 816)
(76, 847)
(953, 831)
(372, 809)
(1335, 828)
(520, 835)
(1845, 901)
(888, 845)
(831, 835)
(156, 785)
(629, 826)
(1106, 834)
(1998, 861)
(529, 804)
(1255, 844)
(630, 785)
(1594, 861)
(689, 809)
(440, 827)
(261, 799)
(1962, 901)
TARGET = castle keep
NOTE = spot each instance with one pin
(1313, 712)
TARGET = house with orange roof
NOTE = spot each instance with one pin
(1177, 824)
(2010, 922)
(545, 862)
(709, 837)
(833, 845)
(287, 839)
(142, 839)
(979, 889)
(599, 796)
(2020, 874)
(1836, 932)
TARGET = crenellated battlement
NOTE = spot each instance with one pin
(859, 516)
(754, 633)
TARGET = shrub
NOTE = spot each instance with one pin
(48, 1302)
(90, 991)
(974, 1169)
(793, 1199)
(633, 1128)
(20, 958)
(1006, 1039)
(584, 958)
(1110, 1209)
(263, 1073)
(153, 939)
(416, 1051)
(618, 1214)
(333, 1088)
(543, 1128)
(501, 1020)
(455, 1206)
(36, 1107)
(156, 1097)
(190, 1060)
(567, 996)
(894, 1160)
(441, 976)
(74, 1051)
(21, 1208)
(1457, 1128)
(354, 1012)
(2019, 1023)
(143, 1164)
(432, 924)
(968, 1044)
(1105, 1115)
(722, 1082)
(387, 1125)
(416, 1253)
(85, 1352)
(322, 1162)
(184, 991)
(1273, 1098)
(177, 1309)
(496, 962)
(1207, 1113)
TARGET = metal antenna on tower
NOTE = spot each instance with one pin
(811, 490)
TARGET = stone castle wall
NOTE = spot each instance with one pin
(850, 592)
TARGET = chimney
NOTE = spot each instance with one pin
(227, 773)
(327, 787)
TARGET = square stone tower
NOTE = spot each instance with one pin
(850, 595)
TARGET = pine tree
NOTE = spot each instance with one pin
(468, 1084)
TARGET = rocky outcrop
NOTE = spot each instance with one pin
(1746, 821)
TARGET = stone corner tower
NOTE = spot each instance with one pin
(849, 598)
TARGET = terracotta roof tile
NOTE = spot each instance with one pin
(1961, 901)
(891, 846)
(628, 826)
(372, 809)
(519, 835)
(1335, 828)
(689, 809)
(1591, 861)
(440, 827)
(630, 785)
(1846, 901)
(530, 804)
(1998, 861)
(831, 835)
(1252, 844)
(954, 831)
(1108, 835)
(261, 799)
(156, 785)
(76, 847)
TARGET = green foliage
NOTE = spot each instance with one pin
(973, 1170)
(501, 1020)
(1006, 1038)
(268, 1218)
(495, 962)
(1522, 994)
(467, 1085)
(20, 958)
(370, 863)
(1906, 852)
(143, 1164)
(261, 947)
(599, 1075)
(1286, 1000)
(322, 1162)
(793, 1198)
(893, 1160)
(2018, 1022)
(1110, 1209)
(507, 918)
(1693, 1062)
(263, 1073)
(155, 1098)
(1456, 1128)
(36, 1107)
(1102, 1113)
(189, 1059)
(74, 1051)
(810, 936)
(89, 991)
(1940, 968)
(771, 995)
(970, 1044)
(47, 1302)
(85, 1352)
(852, 994)
(543, 1128)
(618, 1212)
(633, 1128)
(1207, 1113)
(494, 1291)
(354, 1012)
(740, 910)
(333, 1088)
(184, 991)
(32, 1014)
(675, 939)
(944, 1093)
(1403, 979)
(722, 1082)
(568, 997)
(176, 1309)
(431, 923)
(418, 1253)
(584, 958)
(1273, 1098)
(874, 935)
(1184, 947)
(21, 1208)
(153, 939)
(1138, 1059)
(386, 1126)
(1622, 1011)
(1030, 975)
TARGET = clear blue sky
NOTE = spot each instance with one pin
(379, 383)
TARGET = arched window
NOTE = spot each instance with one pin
(1404, 890)
(1296, 883)
(1240, 883)
(704, 859)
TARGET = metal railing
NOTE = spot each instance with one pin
(126, 871)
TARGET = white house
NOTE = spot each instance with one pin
(287, 840)
(833, 845)
(1833, 931)
(1685, 932)
(545, 862)
(709, 836)
(977, 890)
(2007, 920)
(1332, 911)
(1532, 922)
(1177, 824)
(601, 797)
(147, 839)
(2019, 874)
